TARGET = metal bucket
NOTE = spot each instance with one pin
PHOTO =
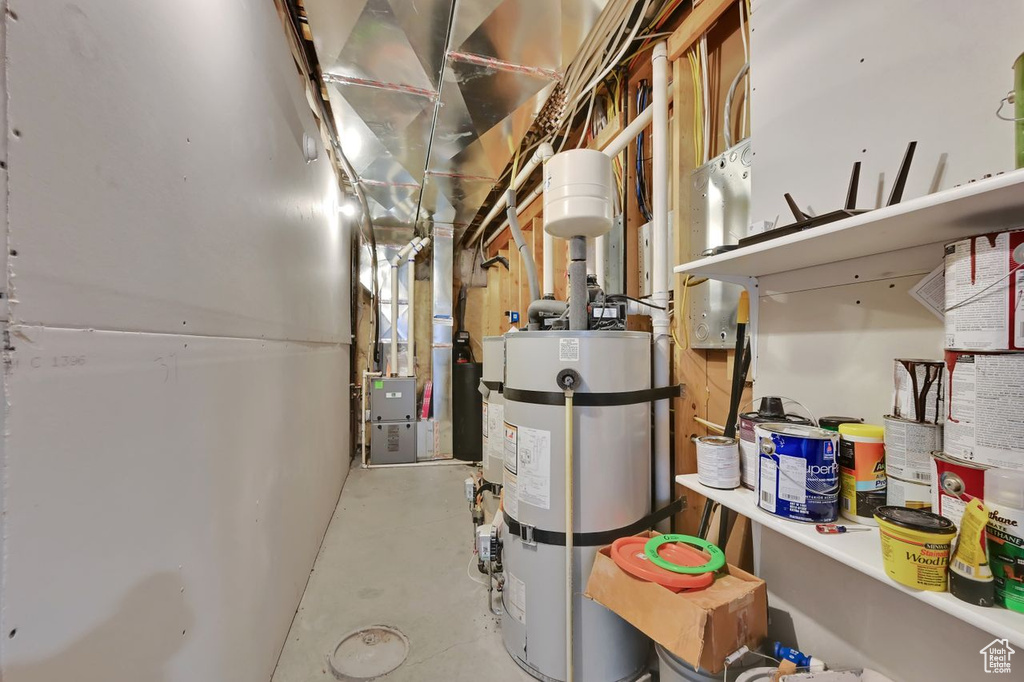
(798, 475)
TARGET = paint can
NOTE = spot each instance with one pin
(798, 477)
(954, 483)
(918, 390)
(832, 422)
(718, 462)
(985, 292)
(909, 447)
(983, 423)
(770, 410)
(861, 471)
(915, 547)
(902, 493)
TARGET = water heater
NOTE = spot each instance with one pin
(611, 489)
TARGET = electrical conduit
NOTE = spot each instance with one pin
(527, 255)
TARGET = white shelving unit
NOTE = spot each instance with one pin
(861, 551)
(988, 205)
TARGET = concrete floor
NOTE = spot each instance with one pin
(396, 554)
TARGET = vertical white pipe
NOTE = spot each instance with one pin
(660, 280)
(410, 347)
(659, 186)
(600, 255)
(548, 283)
(393, 369)
(410, 343)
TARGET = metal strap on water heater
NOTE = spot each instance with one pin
(531, 535)
(646, 395)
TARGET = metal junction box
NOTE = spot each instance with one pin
(719, 215)
(393, 443)
(393, 399)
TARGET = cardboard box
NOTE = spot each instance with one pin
(701, 627)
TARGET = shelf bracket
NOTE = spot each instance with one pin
(750, 284)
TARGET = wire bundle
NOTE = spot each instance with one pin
(643, 192)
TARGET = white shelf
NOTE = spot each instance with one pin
(862, 551)
(987, 205)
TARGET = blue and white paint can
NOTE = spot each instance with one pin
(798, 476)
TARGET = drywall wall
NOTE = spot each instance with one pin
(831, 85)
(177, 366)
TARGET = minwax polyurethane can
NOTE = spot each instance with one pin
(798, 477)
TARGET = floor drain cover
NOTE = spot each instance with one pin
(368, 653)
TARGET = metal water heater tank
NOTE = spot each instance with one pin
(494, 408)
(612, 489)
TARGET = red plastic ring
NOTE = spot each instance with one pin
(628, 554)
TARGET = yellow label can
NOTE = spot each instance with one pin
(915, 546)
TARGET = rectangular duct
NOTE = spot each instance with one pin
(443, 243)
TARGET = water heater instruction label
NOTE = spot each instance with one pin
(534, 467)
(510, 495)
(495, 422)
(568, 350)
(516, 598)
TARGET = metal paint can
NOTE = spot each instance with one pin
(954, 484)
(798, 476)
(913, 494)
(909, 447)
(718, 462)
(915, 547)
(832, 423)
(918, 390)
(770, 411)
(985, 292)
(985, 395)
(861, 471)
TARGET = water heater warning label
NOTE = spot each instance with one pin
(527, 467)
(516, 598)
(534, 467)
(568, 350)
(510, 494)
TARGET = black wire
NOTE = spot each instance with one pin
(635, 300)
(643, 196)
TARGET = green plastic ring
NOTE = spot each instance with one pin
(716, 561)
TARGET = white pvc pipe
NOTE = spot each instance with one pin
(542, 153)
(410, 342)
(629, 133)
(411, 345)
(362, 414)
(659, 164)
(660, 277)
(600, 245)
(393, 365)
(396, 262)
(547, 284)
